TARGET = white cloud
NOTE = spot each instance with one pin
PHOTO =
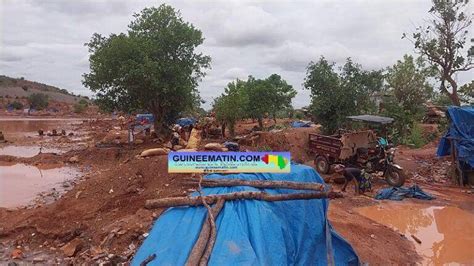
(43, 40)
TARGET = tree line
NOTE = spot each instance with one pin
(156, 67)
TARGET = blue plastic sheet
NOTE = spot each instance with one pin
(399, 193)
(461, 131)
(251, 232)
(301, 124)
(186, 121)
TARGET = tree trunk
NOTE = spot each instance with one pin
(260, 122)
(227, 182)
(454, 95)
(204, 238)
(253, 195)
(224, 124)
(232, 129)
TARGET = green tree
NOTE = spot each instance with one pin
(229, 107)
(444, 41)
(38, 101)
(334, 96)
(408, 81)
(281, 95)
(361, 85)
(153, 67)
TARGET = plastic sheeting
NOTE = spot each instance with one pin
(399, 193)
(251, 232)
(301, 124)
(186, 121)
(461, 131)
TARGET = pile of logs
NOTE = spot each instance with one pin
(202, 249)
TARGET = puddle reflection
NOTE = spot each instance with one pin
(447, 233)
(20, 184)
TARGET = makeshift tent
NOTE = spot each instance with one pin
(252, 232)
(186, 121)
(460, 137)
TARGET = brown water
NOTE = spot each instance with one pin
(20, 184)
(446, 232)
(12, 127)
(27, 151)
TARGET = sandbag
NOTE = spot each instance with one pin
(155, 152)
(213, 146)
(187, 150)
(194, 139)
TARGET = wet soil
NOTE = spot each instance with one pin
(104, 213)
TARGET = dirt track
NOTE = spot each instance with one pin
(103, 214)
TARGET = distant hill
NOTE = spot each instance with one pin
(13, 88)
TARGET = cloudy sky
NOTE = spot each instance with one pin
(42, 40)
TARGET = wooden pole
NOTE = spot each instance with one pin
(204, 238)
(227, 182)
(255, 195)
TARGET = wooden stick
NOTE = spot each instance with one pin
(227, 182)
(203, 239)
(255, 195)
(212, 238)
(148, 259)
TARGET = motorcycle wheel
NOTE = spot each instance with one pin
(395, 177)
(322, 164)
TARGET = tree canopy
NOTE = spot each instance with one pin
(153, 67)
(253, 98)
(338, 94)
(444, 43)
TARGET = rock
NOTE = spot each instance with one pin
(78, 194)
(17, 254)
(74, 159)
(372, 236)
(139, 141)
(111, 191)
(214, 146)
(155, 152)
(71, 248)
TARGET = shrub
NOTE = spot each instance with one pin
(17, 105)
(79, 108)
(38, 100)
(416, 137)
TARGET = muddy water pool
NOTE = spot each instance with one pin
(20, 184)
(446, 232)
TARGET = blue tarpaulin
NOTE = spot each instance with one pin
(461, 131)
(186, 121)
(399, 193)
(252, 232)
(301, 124)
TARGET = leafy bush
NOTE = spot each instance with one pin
(416, 137)
(38, 100)
(80, 107)
(17, 105)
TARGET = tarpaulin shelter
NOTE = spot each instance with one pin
(301, 123)
(459, 139)
(186, 121)
(252, 232)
